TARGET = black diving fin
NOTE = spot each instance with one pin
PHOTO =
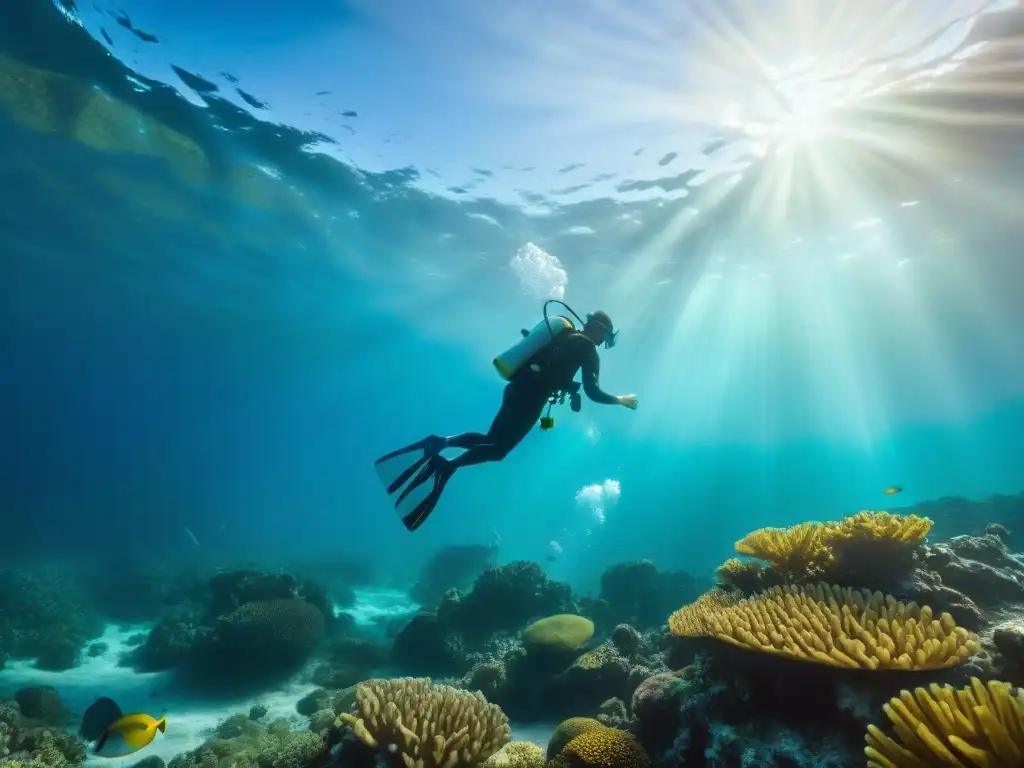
(416, 496)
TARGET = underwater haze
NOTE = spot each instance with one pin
(247, 248)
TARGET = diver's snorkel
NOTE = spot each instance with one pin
(609, 334)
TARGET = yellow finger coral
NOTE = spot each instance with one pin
(880, 526)
(602, 748)
(568, 730)
(794, 551)
(980, 725)
(833, 625)
(421, 725)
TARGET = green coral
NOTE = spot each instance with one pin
(252, 745)
(565, 630)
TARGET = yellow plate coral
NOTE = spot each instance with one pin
(832, 625)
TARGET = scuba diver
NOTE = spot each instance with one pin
(540, 370)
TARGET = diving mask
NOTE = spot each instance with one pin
(609, 334)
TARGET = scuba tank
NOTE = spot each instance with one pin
(540, 337)
(512, 360)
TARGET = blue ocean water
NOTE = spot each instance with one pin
(183, 352)
(249, 247)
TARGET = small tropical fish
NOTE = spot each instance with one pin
(119, 735)
(892, 490)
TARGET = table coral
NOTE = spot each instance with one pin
(832, 625)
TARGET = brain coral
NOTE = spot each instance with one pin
(568, 730)
(566, 631)
(421, 725)
(832, 625)
(602, 748)
(978, 725)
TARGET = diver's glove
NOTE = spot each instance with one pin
(628, 401)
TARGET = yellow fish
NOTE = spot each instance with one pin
(128, 734)
(892, 490)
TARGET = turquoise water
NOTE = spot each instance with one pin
(245, 249)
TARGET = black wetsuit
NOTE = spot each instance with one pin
(526, 395)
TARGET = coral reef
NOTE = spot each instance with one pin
(47, 617)
(427, 645)
(954, 610)
(42, 703)
(414, 722)
(465, 626)
(451, 567)
(240, 742)
(725, 716)
(37, 740)
(504, 600)
(129, 589)
(232, 589)
(655, 707)
(241, 629)
(613, 713)
(349, 660)
(640, 594)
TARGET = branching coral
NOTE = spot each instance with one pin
(980, 725)
(832, 625)
(795, 551)
(422, 725)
